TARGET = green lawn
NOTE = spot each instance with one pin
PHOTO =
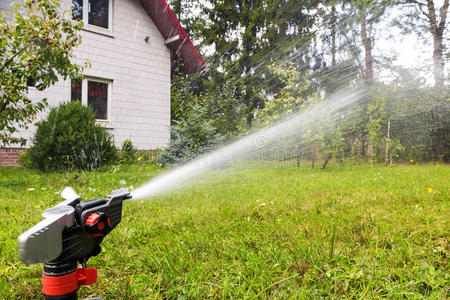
(266, 232)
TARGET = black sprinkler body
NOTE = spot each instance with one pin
(69, 234)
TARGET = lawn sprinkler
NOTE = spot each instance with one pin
(69, 234)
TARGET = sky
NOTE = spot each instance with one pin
(410, 50)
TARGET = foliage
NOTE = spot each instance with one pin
(189, 138)
(376, 133)
(148, 157)
(35, 48)
(271, 58)
(248, 36)
(70, 139)
(224, 108)
(183, 10)
(128, 153)
(334, 141)
(289, 100)
(409, 107)
(265, 233)
(220, 103)
(25, 160)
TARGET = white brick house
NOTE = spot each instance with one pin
(130, 45)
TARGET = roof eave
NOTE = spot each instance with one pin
(176, 37)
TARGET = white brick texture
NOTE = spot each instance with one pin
(140, 75)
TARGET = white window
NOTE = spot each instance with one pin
(95, 14)
(95, 93)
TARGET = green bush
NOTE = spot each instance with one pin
(190, 138)
(24, 159)
(70, 139)
(128, 153)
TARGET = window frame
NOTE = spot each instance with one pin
(94, 28)
(84, 95)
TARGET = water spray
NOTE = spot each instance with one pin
(274, 139)
(69, 234)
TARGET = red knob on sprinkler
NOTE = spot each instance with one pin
(97, 223)
(92, 219)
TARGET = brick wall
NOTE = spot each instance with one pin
(9, 157)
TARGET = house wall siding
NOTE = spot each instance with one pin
(3, 6)
(139, 72)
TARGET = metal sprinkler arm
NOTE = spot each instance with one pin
(70, 233)
(43, 242)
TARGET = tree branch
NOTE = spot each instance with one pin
(5, 104)
(416, 2)
(354, 52)
(12, 58)
(424, 13)
(433, 23)
(443, 15)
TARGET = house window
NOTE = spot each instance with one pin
(99, 13)
(93, 12)
(95, 93)
(76, 90)
(98, 98)
(77, 9)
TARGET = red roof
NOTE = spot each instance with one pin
(176, 38)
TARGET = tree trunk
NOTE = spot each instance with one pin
(368, 51)
(333, 36)
(437, 31)
(313, 154)
(249, 120)
(438, 61)
(297, 155)
(386, 157)
(330, 154)
(357, 150)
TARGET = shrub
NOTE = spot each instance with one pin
(24, 159)
(70, 139)
(128, 153)
(188, 139)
